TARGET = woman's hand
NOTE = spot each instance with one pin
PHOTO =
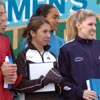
(9, 72)
(89, 95)
(10, 79)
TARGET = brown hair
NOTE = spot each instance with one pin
(34, 24)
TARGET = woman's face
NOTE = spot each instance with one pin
(87, 28)
(3, 22)
(53, 18)
(1, 12)
(42, 36)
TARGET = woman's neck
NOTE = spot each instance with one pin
(38, 47)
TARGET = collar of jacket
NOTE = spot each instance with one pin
(84, 41)
(31, 46)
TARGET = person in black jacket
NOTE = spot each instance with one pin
(79, 60)
(38, 33)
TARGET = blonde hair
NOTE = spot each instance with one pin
(70, 30)
(78, 16)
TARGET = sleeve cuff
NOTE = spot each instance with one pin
(19, 78)
(1, 76)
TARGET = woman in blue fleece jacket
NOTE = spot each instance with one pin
(79, 60)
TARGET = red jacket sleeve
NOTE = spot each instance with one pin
(19, 78)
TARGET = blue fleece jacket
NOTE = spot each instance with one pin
(79, 61)
(55, 43)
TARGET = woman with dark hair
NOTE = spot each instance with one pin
(50, 13)
(38, 35)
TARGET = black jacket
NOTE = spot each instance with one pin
(79, 60)
(32, 55)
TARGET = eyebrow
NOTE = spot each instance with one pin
(1, 13)
(56, 15)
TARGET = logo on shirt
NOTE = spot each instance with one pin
(99, 57)
(67, 88)
(78, 59)
(48, 58)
